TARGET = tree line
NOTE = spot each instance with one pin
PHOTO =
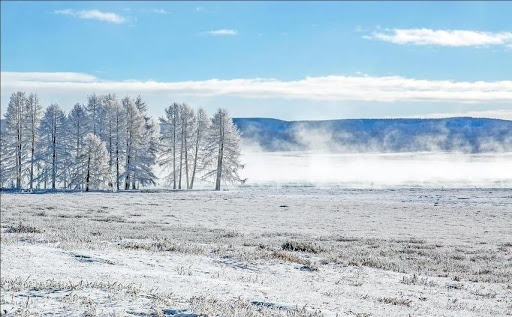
(114, 144)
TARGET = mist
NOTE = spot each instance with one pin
(318, 154)
(378, 170)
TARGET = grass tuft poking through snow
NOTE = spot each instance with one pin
(301, 246)
(22, 228)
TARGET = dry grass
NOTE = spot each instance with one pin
(395, 301)
(22, 228)
(301, 246)
(209, 306)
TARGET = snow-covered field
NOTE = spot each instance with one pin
(293, 251)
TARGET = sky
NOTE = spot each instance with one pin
(287, 60)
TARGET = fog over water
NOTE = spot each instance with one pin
(377, 170)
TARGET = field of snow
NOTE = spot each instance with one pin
(267, 251)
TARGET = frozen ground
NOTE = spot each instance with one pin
(292, 251)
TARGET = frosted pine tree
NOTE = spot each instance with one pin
(222, 151)
(78, 127)
(94, 161)
(169, 143)
(15, 142)
(114, 131)
(146, 152)
(52, 146)
(95, 113)
(34, 111)
(119, 121)
(133, 140)
(187, 118)
(202, 124)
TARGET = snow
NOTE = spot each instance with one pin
(365, 252)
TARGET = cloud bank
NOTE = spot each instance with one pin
(451, 38)
(109, 17)
(326, 88)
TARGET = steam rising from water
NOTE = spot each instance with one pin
(378, 170)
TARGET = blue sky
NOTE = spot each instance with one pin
(292, 60)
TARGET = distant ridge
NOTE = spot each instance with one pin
(459, 134)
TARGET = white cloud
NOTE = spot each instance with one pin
(453, 38)
(222, 32)
(156, 11)
(57, 77)
(327, 88)
(109, 17)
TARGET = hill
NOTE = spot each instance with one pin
(469, 135)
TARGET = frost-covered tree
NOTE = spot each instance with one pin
(34, 111)
(53, 150)
(94, 160)
(119, 121)
(78, 126)
(202, 123)
(187, 118)
(169, 142)
(133, 140)
(222, 159)
(15, 141)
(146, 153)
(95, 113)
(113, 134)
(141, 106)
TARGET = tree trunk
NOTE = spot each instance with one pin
(128, 154)
(127, 179)
(54, 155)
(110, 153)
(18, 167)
(221, 154)
(186, 158)
(88, 178)
(117, 151)
(19, 147)
(195, 162)
(18, 176)
(174, 150)
(181, 162)
(32, 150)
(79, 167)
